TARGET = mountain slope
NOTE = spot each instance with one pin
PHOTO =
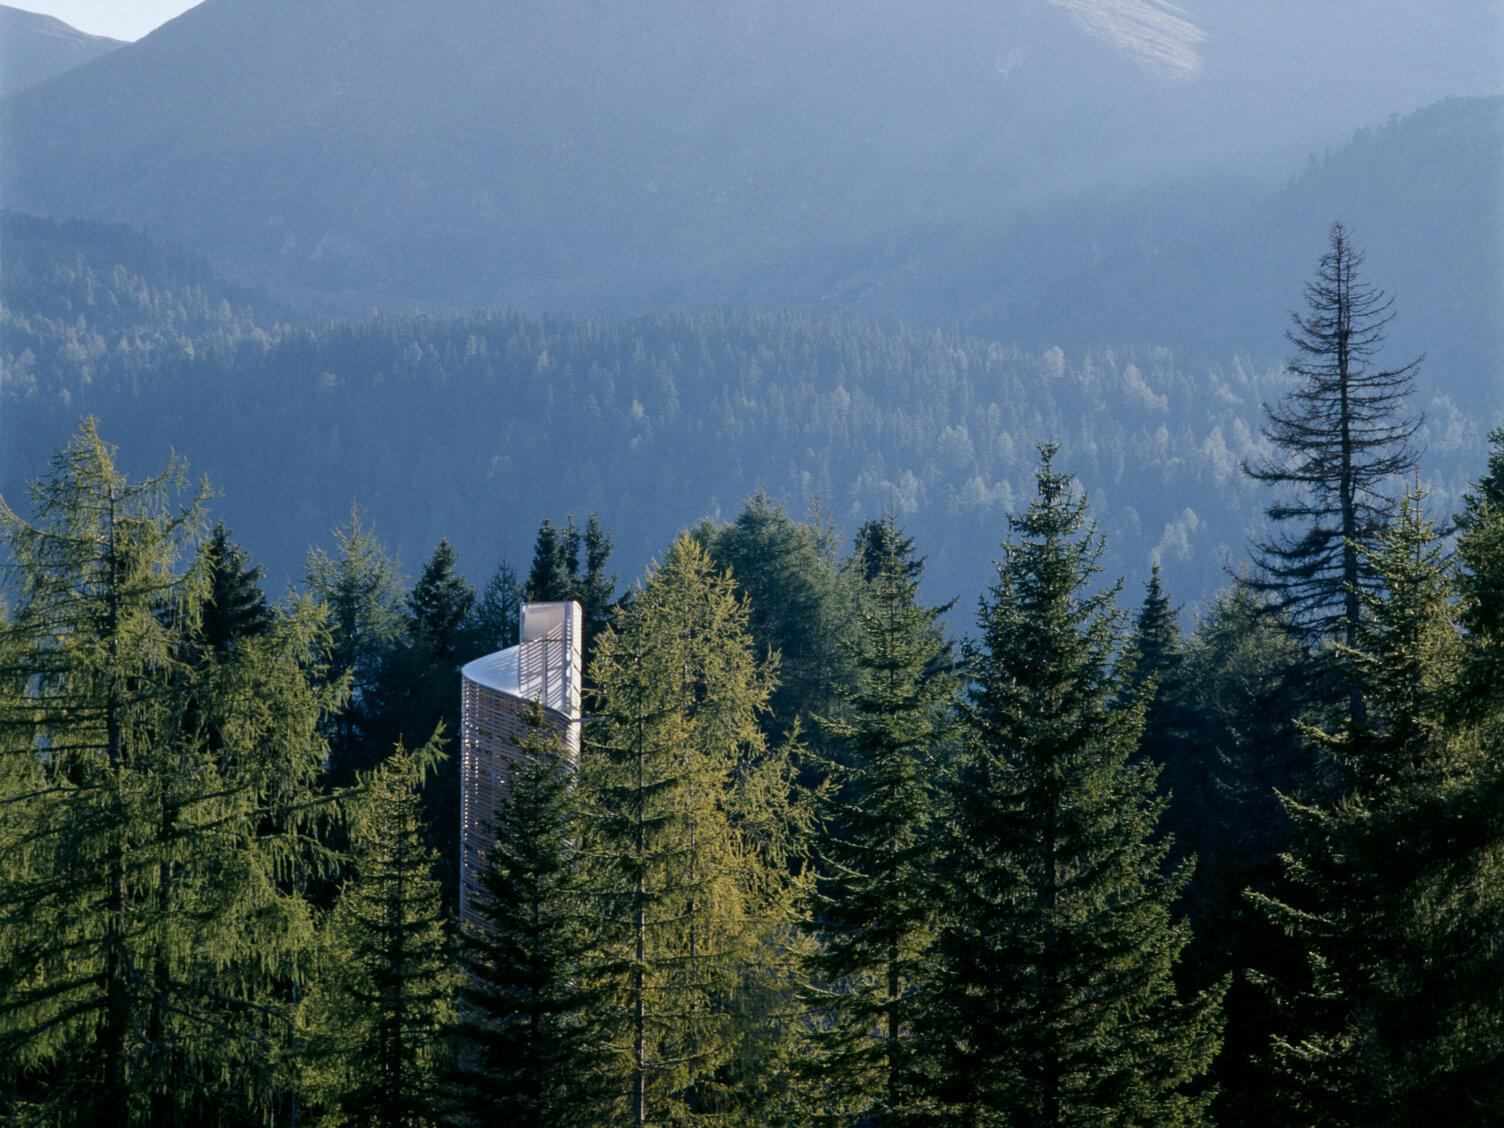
(34, 48)
(619, 157)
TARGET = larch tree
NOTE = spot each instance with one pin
(1053, 1001)
(161, 796)
(1393, 886)
(363, 590)
(1341, 439)
(688, 831)
(870, 894)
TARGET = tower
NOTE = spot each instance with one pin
(497, 693)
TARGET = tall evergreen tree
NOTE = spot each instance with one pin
(363, 590)
(1054, 1002)
(690, 823)
(1393, 887)
(533, 1051)
(417, 695)
(376, 1050)
(870, 902)
(559, 572)
(1341, 438)
(159, 800)
(1235, 745)
(799, 608)
(1480, 550)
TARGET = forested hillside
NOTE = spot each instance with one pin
(475, 426)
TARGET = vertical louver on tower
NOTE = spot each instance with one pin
(497, 693)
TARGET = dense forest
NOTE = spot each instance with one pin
(473, 427)
(820, 861)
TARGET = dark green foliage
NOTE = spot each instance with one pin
(1394, 885)
(234, 606)
(1480, 550)
(495, 621)
(1054, 1002)
(159, 800)
(416, 696)
(870, 900)
(1233, 746)
(377, 1020)
(560, 572)
(1342, 439)
(533, 1050)
(799, 608)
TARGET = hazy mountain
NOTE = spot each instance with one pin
(617, 156)
(34, 48)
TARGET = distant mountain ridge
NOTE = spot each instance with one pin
(34, 48)
(619, 157)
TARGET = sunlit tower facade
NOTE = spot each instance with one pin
(497, 694)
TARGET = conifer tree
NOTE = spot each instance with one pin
(159, 800)
(533, 1050)
(416, 695)
(1480, 550)
(1236, 746)
(363, 590)
(560, 572)
(234, 605)
(870, 903)
(495, 620)
(1341, 437)
(1054, 1002)
(690, 824)
(1393, 886)
(799, 606)
(376, 1049)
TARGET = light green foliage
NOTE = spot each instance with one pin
(690, 828)
(870, 897)
(159, 797)
(376, 1046)
(363, 590)
(1394, 885)
(1054, 1002)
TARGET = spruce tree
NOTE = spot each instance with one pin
(377, 1043)
(1053, 1001)
(234, 605)
(870, 902)
(161, 797)
(495, 620)
(533, 1051)
(1235, 747)
(1341, 438)
(1393, 885)
(689, 824)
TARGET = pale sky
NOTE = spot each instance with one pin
(118, 19)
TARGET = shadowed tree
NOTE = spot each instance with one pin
(1053, 1002)
(1341, 438)
(870, 896)
(1393, 886)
